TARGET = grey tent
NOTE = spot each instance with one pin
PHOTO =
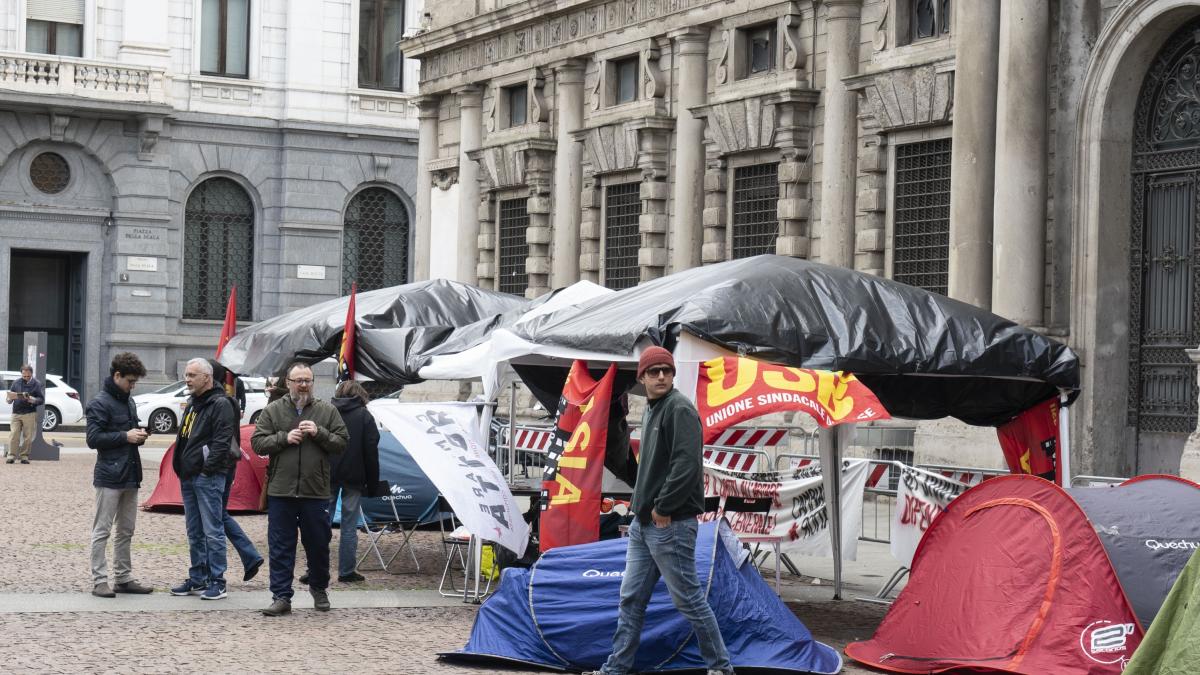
(1149, 528)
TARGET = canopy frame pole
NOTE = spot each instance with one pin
(512, 433)
(1064, 440)
(831, 443)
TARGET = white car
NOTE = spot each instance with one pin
(62, 401)
(161, 409)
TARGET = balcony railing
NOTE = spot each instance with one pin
(42, 74)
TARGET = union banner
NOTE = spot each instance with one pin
(733, 389)
(574, 472)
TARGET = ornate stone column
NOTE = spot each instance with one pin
(691, 53)
(470, 131)
(839, 166)
(973, 150)
(568, 173)
(1019, 252)
(427, 149)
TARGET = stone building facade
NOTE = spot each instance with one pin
(154, 153)
(1034, 157)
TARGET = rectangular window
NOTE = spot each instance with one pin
(225, 38)
(930, 18)
(755, 50)
(516, 99)
(54, 27)
(514, 220)
(625, 72)
(755, 210)
(921, 239)
(622, 206)
(51, 37)
(380, 27)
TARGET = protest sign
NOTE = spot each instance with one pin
(920, 497)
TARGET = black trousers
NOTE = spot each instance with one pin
(286, 516)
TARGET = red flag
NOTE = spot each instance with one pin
(345, 369)
(228, 330)
(572, 479)
(733, 389)
(1030, 441)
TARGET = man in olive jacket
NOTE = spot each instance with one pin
(668, 496)
(298, 433)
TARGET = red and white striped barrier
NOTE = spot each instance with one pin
(751, 437)
(730, 459)
(535, 439)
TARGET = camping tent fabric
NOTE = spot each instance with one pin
(1009, 578)
(247, 484)
(1148, 526)
(1172, 645)
(411, 490)
(562, 614)
(800, 313)
(393, 324)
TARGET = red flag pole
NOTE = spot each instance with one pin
(228, 330)
(345, 370)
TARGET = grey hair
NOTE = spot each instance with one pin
(205, 366)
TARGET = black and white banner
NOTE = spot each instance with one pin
(443, 438)
(796, 510)
(920, 498)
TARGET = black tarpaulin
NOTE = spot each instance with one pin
(924, 355)
(393, 325)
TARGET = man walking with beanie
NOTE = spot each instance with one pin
(668, 496)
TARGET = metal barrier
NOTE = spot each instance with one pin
(1096, 481)
(742, 460)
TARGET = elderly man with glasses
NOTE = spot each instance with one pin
(298, 433)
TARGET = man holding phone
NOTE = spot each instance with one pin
(25, 395)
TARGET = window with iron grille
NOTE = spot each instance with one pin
(514, 220)
(622, 206)
(921, 239)
(218, 250)
(755, 210)
(375, 241)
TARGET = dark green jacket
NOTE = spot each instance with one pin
(670, 476)
(298, 470)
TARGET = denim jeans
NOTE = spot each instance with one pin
(241, 543)
(348, 530)
(284, 516)
(204, 516)
(669, 552)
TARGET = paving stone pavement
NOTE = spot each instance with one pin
(392, 623)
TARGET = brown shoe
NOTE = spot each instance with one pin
(132, 587)
(103, 591)
(279, 607)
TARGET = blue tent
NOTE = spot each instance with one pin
(562, 614)
(413, 494)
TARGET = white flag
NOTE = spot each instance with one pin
(443, 439)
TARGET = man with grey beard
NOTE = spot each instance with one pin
(298, 433)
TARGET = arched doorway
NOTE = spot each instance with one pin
(1164, 277)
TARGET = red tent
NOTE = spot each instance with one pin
(247, 484)
(1010, 578)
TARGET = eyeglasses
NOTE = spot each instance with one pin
(304, 382)
(660, 371)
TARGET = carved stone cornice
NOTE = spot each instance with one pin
(752, 123)
(900, 98)
(523, 163)
(475, 43)
(619, 146)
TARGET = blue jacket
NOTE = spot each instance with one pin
(36, 392)
(109, 416)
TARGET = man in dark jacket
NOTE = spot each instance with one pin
(25, 394)
(668, 496)
(203, 455)
(113, 432)
(299, 434)
(354, 472)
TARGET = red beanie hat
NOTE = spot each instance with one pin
(654, 356)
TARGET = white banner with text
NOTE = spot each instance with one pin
(921, 497)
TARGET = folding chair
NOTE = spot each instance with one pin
(377, 528)
(457, 547)
(763, 506)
